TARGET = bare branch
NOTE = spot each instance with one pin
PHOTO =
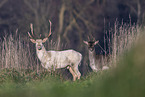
(61, 17)
(69, 27)
(132, 8)
(30, 6)
(86, 22)
(2, 3)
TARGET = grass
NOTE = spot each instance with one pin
(120, 40)
(26, 79)
(48, 85)
(125, 80)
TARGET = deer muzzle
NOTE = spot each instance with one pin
(39, 47)
(91, 49)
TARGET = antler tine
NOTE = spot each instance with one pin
(50, 28)
(40, 35)
(30, 35)
(94, 39)
(31, 27)
(88, 38)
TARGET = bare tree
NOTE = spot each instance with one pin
(2, 2)
(76, 15)
(41, 12)
(1, 5)
(136, 7)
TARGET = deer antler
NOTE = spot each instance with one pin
(50, 28)
(30, 35)
(31, 27)
(88, 38)
(94, 39)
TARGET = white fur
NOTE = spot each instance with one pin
(105, 68)
(59, 59)
(92, 62)
(95, 64)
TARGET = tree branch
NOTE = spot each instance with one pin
(2, 3)
(30, 6)
(61, 17)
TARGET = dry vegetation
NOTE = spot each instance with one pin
(22, 74)
(121, 39)
(18, 54)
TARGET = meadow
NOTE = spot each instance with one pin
(21, 74)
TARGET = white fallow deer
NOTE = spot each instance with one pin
(95, 60)
(69, 59)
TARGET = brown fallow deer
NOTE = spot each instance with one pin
(69, 59)
(95, 60)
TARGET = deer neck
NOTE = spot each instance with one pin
(94, 63)
(92, 56)
(43, 54)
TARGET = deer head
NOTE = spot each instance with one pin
(91, 44)
(38, 42)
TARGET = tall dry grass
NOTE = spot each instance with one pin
(121, 39)
(125, 80)
(15, 53)
(20, 55)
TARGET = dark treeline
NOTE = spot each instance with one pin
(72, 20)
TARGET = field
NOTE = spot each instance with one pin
(19, 77)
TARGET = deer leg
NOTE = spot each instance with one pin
(77, 72)
(73, 73)
(48, 70)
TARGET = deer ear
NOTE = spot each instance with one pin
(85, 42)
(33, 40)
(96, 42)
(44, 40)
